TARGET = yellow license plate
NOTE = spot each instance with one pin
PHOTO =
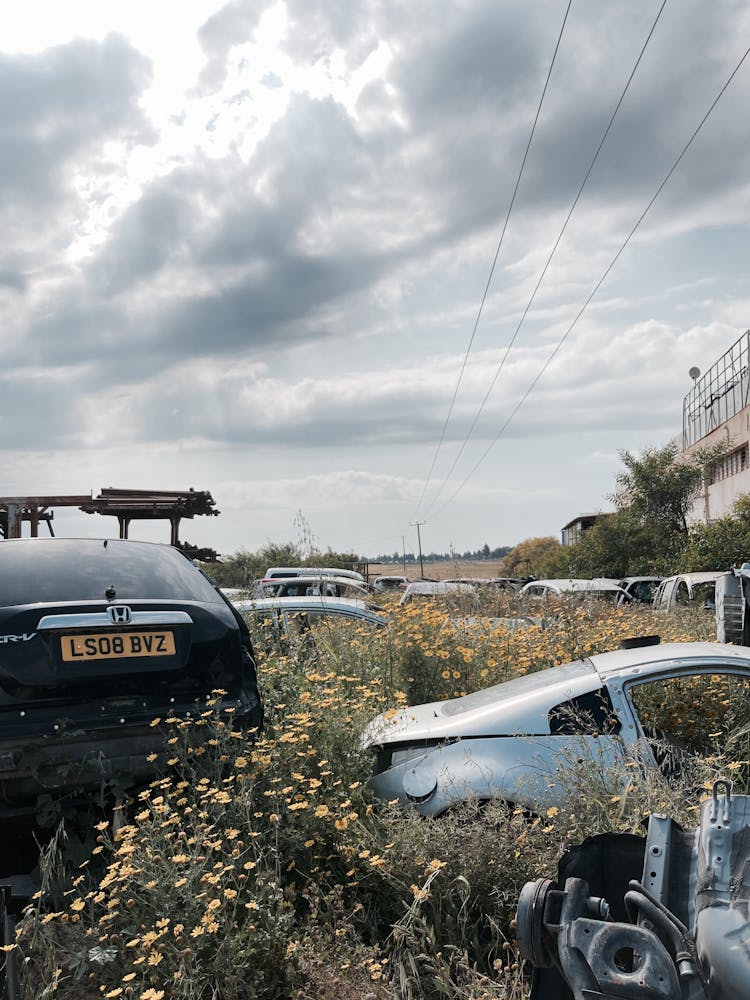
(107, 646)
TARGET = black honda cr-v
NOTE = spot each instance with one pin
(97, 639)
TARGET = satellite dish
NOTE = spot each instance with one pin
(694, 373)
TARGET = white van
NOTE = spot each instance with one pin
(677, 591)
(274, 572)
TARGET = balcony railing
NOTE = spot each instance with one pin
(719, 394)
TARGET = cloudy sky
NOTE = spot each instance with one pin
(245, 244)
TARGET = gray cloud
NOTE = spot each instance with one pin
(152, 232)
(61, 105)
(352, 26)
(342, 208)
(59, 108)
(345, 239)
(13, 280)
(233, 25)
(39, 410)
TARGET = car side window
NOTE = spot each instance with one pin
(591, 714)
(704, 594)
(697, 714)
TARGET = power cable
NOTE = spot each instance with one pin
(547, 264)
(598, 285)
(494, 262)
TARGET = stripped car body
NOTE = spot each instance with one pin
(286, 572)
(658, 918)
(311, 586)
(98, 637)
(515, 740)
(383, 584)
(677, 591)
(732, 596)
(600, 588)
(640, 589)
(436, 590)
(282, 610)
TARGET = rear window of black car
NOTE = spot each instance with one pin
(51, 570)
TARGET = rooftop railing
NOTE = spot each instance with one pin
(719, 394)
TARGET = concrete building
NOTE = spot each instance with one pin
(572, 531)
(717, 411)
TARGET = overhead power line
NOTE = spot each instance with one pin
(494, 262)
(599, 283)
(548, 262)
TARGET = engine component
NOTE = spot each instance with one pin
(686, 935)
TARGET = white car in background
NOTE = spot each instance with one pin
(599, 588)
(687, 588)
(285, 610)
(389, 583)
(426, 589)
(312, 586)
(285, 572)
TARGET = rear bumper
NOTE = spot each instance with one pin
(80, 761)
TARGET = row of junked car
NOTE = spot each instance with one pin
(664, 593)
(340, 583)
(514, 741)
(293, 597)
(634, 589)
(98, 637)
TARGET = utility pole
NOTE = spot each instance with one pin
(417, 525)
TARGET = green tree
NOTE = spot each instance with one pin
(242, 568)
(660, 485)
(648, 534)
(723, 543)
(655, 488)
(338, 560)
(619, 545)
(537, 557)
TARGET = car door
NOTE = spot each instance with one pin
(688, 714)
(664, 594)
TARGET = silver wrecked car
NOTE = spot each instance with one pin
(651, 701)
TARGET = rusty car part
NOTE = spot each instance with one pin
(125, 505)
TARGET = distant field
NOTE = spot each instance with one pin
(439, 570)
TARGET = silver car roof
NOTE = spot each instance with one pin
(563, 586)
(668, 656)
(522, 705)
(343, 606)
(287, 571)
(309, 579)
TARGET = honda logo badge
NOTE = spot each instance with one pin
(119, 614)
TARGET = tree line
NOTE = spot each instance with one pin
(475, 555)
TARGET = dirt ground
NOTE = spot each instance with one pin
(438, 570)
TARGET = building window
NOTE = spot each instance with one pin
(736, 461)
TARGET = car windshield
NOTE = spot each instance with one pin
(61, 570)
(519, 686)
